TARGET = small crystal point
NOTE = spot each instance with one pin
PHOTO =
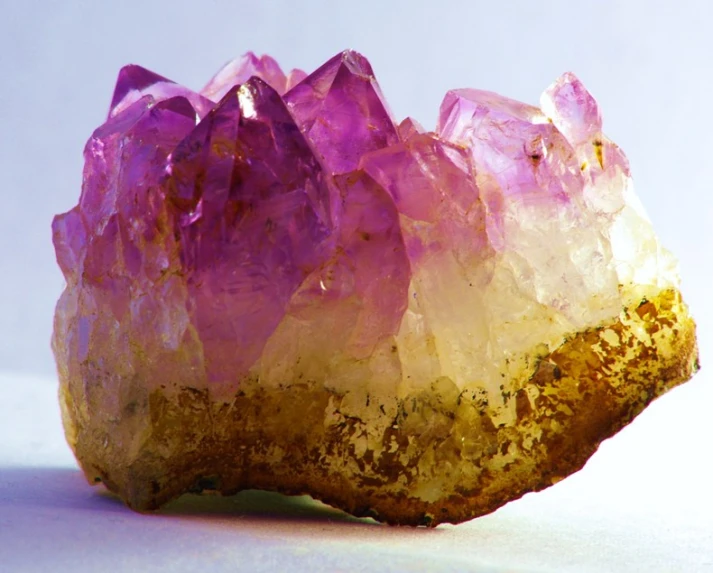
(572, 109)
(240, 70)
(135, 82)
(409, 127)
(133, 78)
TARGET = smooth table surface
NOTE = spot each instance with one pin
(644, 502)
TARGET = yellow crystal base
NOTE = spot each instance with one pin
(433, 455)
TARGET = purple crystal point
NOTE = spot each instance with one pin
(294, 77)
(69, 236)
(575, 113)
(340, 109)
(513, 141)
(135, 82)
(253, 213)
(572, 110)
(409, 127)
(133, 78)
(240, 70)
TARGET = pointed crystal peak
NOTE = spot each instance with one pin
(322, 78)
(340, 109)
(134, 78)
(69, 236)
(410, 127)
(256, 94)
(460, 106)
(356, 63)
(252, 58)
(295, 77)
(249, 95)
(179, 105)
(187, 162)
(134, 82)
(240, 70)
(572, 109)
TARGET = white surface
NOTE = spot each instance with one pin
(642, 503)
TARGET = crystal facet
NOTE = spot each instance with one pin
(271, 284)
(240, 70)
(341, 111)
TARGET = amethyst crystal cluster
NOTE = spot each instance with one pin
(271, 284)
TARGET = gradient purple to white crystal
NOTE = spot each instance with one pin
(271, 218)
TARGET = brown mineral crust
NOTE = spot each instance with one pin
(177, 441)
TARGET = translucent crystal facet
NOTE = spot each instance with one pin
(341, 110)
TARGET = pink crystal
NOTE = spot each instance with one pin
(240, 70)
(135, 82)
(251, 227)
(341, 110)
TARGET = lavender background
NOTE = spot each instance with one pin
(642, 503)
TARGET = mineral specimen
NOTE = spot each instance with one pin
(271, 284)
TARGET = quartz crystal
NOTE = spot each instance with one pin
(271, 284)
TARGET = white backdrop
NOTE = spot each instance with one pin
(644, 499)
